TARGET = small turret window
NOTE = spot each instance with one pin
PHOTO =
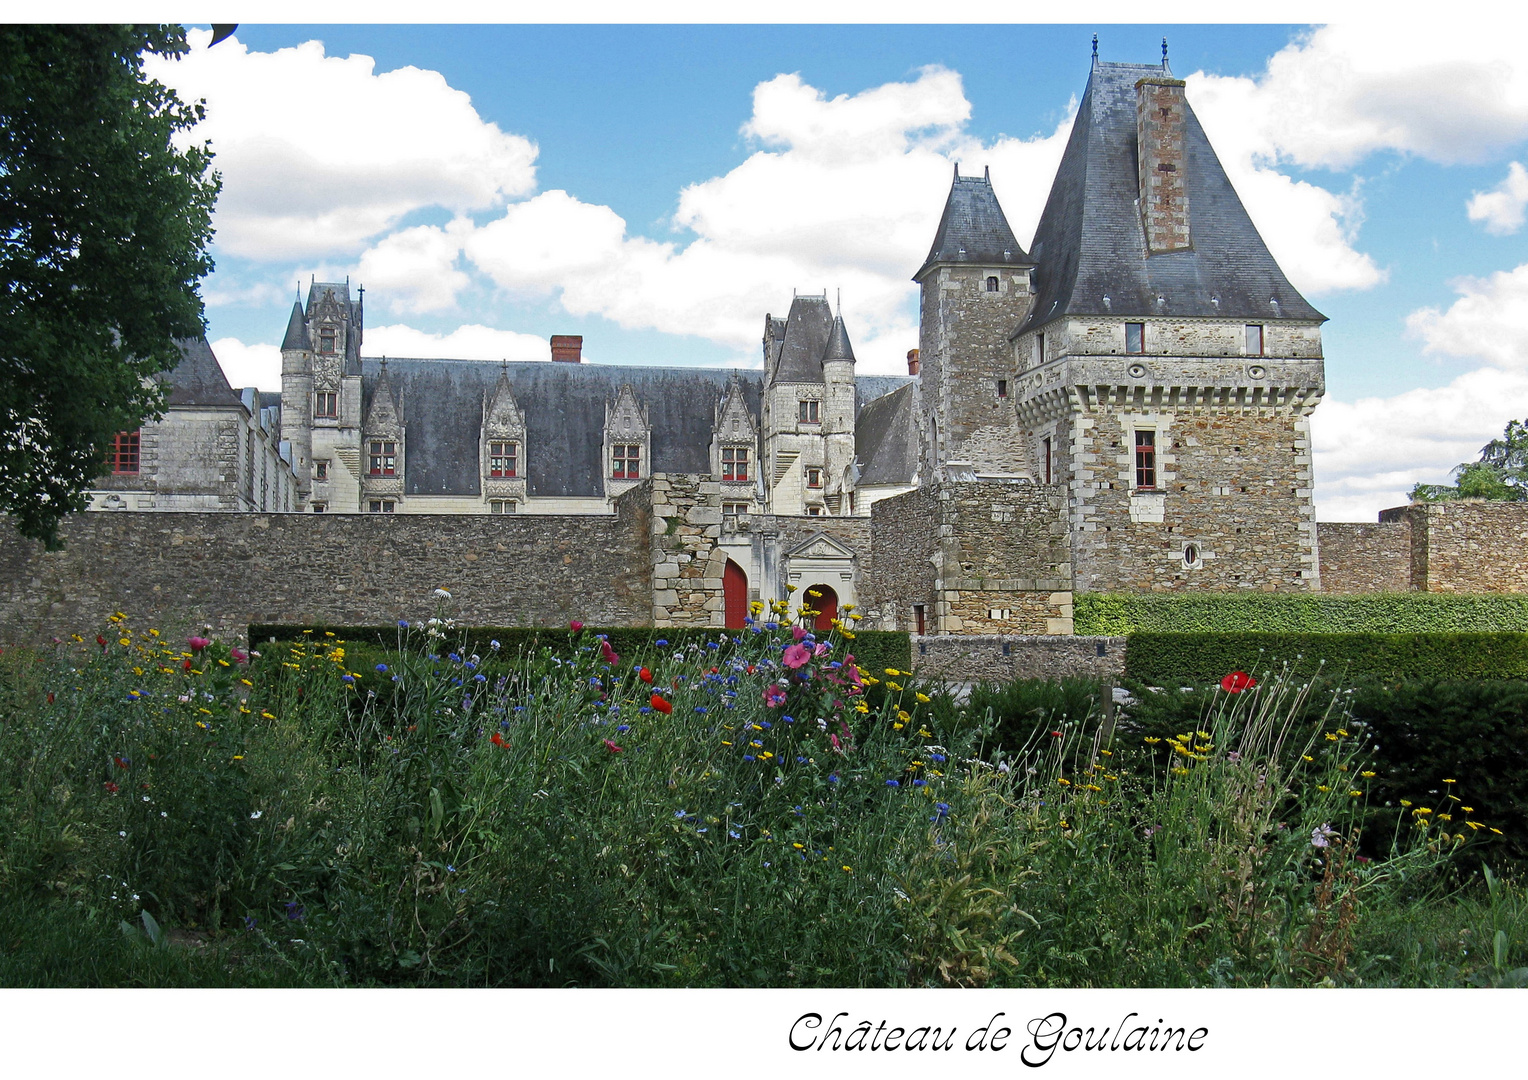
(326, 341)
(811, 412)
(326, 405)
(1254, 339)
(992, 284)
(814, 478)
(384, 459)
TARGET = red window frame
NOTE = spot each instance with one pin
(814, 477)
(734, 463)
(124, 453)
(503, 459)
(1146, 460)
(384, 459)
(326, 405)
(626, 461)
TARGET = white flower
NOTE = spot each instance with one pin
(163, 813)
(254, 815)
(147, 799)
(442, 594)
(123, 834)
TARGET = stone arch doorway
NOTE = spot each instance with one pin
(734, 596)
(825, 603)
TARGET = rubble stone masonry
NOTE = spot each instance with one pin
(1364, 557)
(1467, 547)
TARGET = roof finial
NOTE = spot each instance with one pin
(1095, 46)
(987, 173)
(1164, 52)
(840, 295)
(957, 170)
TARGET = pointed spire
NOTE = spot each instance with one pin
(297, 330)
(838, 343)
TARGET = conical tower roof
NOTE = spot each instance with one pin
(297, 331)
(973, 230)
(838, 342)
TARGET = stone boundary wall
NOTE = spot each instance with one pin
(224, 571)
(1469, 547)
(1360, 557)
(973, 657)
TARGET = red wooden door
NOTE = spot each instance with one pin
(734, 596)
(822, 599)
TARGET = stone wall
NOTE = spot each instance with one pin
(1359, 557)
(228, 570)
(1003, 549)
(687, 564)
(1467, 547)
(904, 532)
(1236, 485)
(970, 658)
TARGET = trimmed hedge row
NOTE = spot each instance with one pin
(1179, 659)
(1308, 613)
(873, 650)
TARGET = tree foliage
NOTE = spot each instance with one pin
(104, 225)
(1501, 473)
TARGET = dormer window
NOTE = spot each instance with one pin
(734, 463)
(326, 405)
(384, 459)
(992, 283)
(1135, 337)
(626, 462)
(811, 412)
(503, 460)
(1254, 339)
(326, 337)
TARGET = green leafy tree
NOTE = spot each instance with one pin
(1501, 473)
(104, 225)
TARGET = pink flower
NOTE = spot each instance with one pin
(612, 747)
(798, 632)
(822, 649)
(575, 626)
(773, 696)
(796, 656)
(611, 657)
(239, 655)
(198, 643)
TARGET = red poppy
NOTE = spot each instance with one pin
(1237, 681)
(498, 740)
(50, 697)
(645, 675)
(100, 641)
(1057, 734)
(661, 705)
(186, 665)
(575, 626)
(120, 762)
(612, 747)
(111, 787)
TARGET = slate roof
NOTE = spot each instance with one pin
(838, 347)
(441, 403)
(972, 229)
(297, 330)
(198, 379)
(886, 439)
(1091, 242)
(808, 328)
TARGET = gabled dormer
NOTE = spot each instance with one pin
(382, 447)
(502, 450)
(627, 442)
(735, 446)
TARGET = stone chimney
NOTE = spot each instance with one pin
(1160, 121)
(568, 348)
(912, 361)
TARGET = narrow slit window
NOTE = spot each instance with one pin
(1254, 339)
(1135, 337)
(1002, 388)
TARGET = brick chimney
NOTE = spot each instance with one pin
(568, 348)
(1160, 115)
(912, 361)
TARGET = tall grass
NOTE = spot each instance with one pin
(748, 811)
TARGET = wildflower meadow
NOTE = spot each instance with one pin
(754, 809)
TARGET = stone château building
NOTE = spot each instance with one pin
(1125, 406)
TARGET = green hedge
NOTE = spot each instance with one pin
(872, 650)
(1178, 659)
(1308, 613)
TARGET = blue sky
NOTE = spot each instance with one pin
(658, 188)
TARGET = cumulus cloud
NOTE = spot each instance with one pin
(844, 193)
(1358, 445)
(1501, 208)
(320, 153)
(470, 342)
(248, 365)
(415, 270)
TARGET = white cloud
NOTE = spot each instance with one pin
(319, 153)
(471, 342)
(248, 365)
(846, 195)
(1358, 445)
(1501, 208)
(415, 270)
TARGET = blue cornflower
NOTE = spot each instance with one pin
(347, 677)
(382, 668)
(480, 677)
(594, 681)
(734, 834)
(294, 911)
(403, 623)
(660, 642)
(645, 709)
(454, 658)
(134, 695)
(702, 830)
(700, 708)
(832, 778)
(712, 645)
(519, 708)
(494, 645)
(450, 869)
(788, 719)
(504, 724)
(250, 922)
(936, 757)
(765, 724)
(470, 666)
(747, 757)
(800, 759)
(772, 626)
(623, 729)
(893, 783)
(920, 783)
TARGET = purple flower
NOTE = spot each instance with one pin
(1322, 836)
(294, 911)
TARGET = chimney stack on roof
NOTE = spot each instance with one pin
(568, 348)
(912, 361)
(1160, 115)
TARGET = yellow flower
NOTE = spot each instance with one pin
(1474, 824)
(894, 727)
(268, 716)
(1180, 770)
(1322, 787)
(1355, 794)
(846, 870)
(1330, 737)
(1498, 832)
(893, 686)
(1405, 802)
(1204, 734)
(1107, 753)
(153, 633)
(1450, 781)
(1063, 781)
(1468, 809)
(1422, 810)
(726, 743)
(861, 707)
(1110, 776)
(124, 641)
(1367, 774)
(848, 635)
(1152, 739)
(1307, 757)
(926, 733)
(1445, 817)
(1341, 732)
(797, 847)
(238, 757)
(924, 699)
(790, 588)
